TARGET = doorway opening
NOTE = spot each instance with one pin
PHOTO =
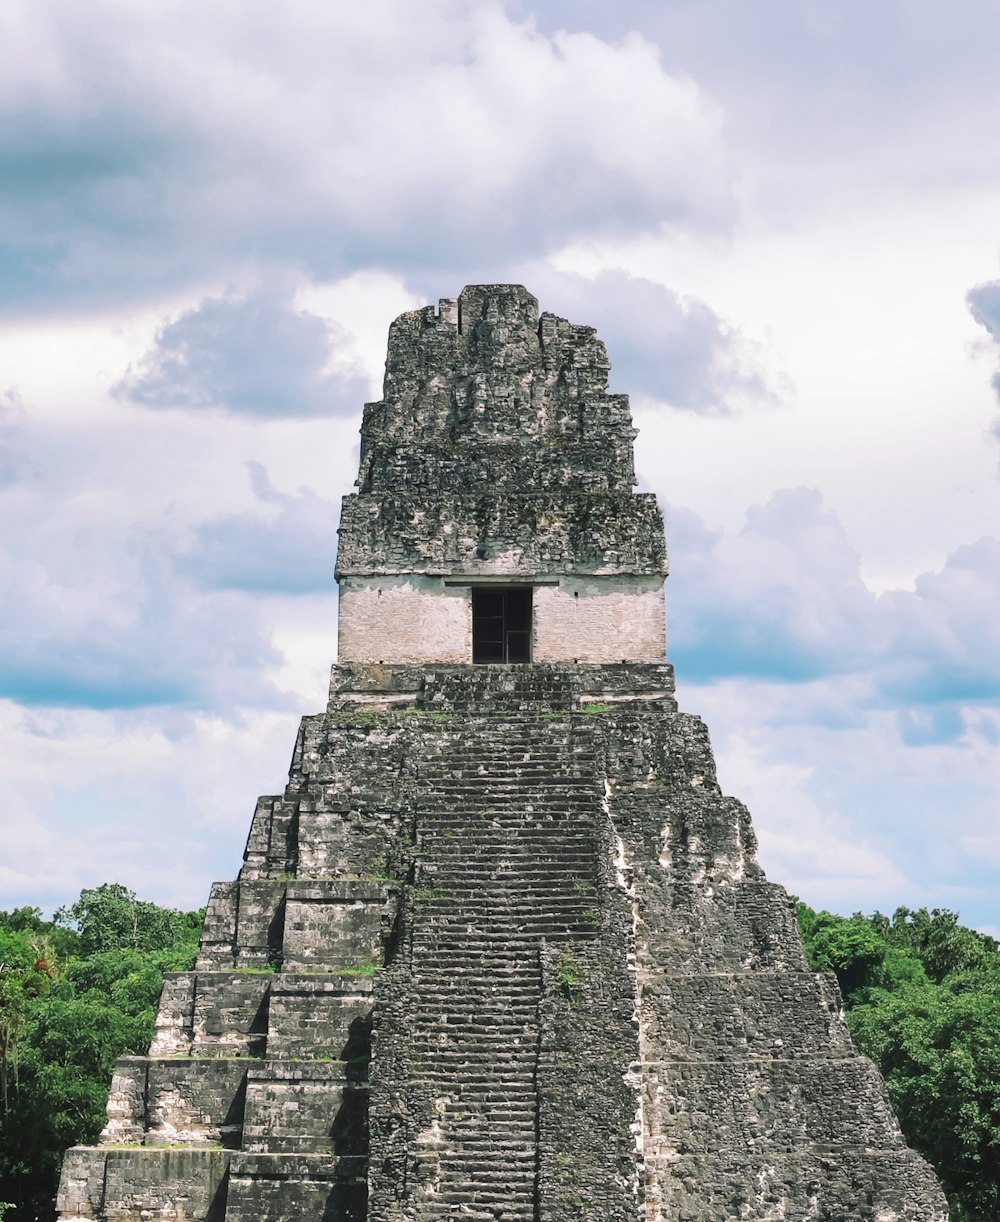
(501, 624)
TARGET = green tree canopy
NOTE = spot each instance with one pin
(76, 993)
(922, 994)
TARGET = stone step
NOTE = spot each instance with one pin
(494, 906)
(496, 1054)
(523, 751)
(557, 773)
(498, 909)
(539, 855)
(499, 888)
(459, 1007)
(455, 1011)
(525, 928)
(476, 998)
(469, 1212)
(502, 1079)
(476, 1168)
(486, 1123)
(543, 849)
(483, 1089)
(520, 913)
(514, 802)
(516, 1201)
(563, 769)
(449, 990)
(439, 959)
(468, 1039)
(471, 1033)
(470, 1138)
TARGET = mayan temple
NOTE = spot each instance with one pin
(502, 950)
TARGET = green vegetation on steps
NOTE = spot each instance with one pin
(922, 997)
(76, 993)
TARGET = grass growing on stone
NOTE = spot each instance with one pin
(569, 974)
(433, 893)
(359, 719)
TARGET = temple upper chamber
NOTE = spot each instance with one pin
(496, 520)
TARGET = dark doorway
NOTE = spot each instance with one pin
(501, 625)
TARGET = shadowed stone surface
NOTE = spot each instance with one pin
(502, 950)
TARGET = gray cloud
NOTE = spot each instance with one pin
(674, 349)
(12, 461)
(290, 553)
(144, 150)
(784, 601)
(95, 612)
(131, 638)
(984, 302)
(813, 92)
(984, 305)
(256, 355)
(781, 601)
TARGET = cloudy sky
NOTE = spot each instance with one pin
(784, 219)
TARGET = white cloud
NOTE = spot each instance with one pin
(290, 552)
(784, 600)
(145, 147)
(257, 354)
(106, 796)
(785, 206)
(848, 814)
(984, 305)
(665, 347)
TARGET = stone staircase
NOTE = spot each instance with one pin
(508, 859)
(547, 927)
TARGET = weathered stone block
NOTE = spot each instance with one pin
(176, 1101)
(143, 1184)
(212, 1014)
(291, 1187)
(333, 925)
(218, 936)
(853, 1185)
(319, 1015)
(259, 922)
(744, 1014)
(687, 928)
(306, 1106)
(750, 1108)
(270, 846)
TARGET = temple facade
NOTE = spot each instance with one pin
(502, 949)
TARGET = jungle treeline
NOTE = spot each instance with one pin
(76, 993)
(922, 999)
(921, 995)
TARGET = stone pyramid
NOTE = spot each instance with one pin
(502, 950)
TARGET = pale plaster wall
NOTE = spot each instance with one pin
(403, 619)
(421, 619)
(600, 619)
